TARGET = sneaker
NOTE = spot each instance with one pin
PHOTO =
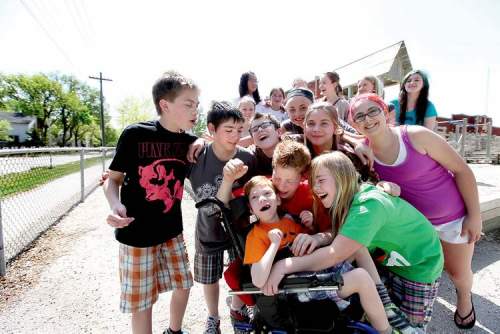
(212, 326)
(169, 331)
(245, 315)
(399, 321)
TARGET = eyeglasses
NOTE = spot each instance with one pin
(372, 112)
(263, 126)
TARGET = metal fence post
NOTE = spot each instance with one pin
(82, 177)
(488, 140)
(464, 135)
(2, 248)
(103, 159)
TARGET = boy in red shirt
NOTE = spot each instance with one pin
(290, 163)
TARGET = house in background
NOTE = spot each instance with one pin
(21, 126)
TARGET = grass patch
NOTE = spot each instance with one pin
(13, 183)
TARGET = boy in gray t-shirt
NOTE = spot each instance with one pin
(225, 124)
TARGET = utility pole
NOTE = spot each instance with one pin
(101, 79)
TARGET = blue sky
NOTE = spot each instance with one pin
(132, 42)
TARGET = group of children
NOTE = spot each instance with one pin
(317, 210)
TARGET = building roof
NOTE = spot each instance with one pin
(16, 118)
(389, 64)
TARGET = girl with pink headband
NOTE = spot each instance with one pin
(428, 170)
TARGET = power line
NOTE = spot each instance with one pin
(87, 19)
(52, 39)
(74, 12)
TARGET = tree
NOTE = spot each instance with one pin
(111, 135)
(67, 109)
(36, 95)
(201, 124)
(133, 110)
(4, 130)
(76, 106)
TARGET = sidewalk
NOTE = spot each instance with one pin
(68, 282)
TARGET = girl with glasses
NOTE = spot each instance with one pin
(428, 170)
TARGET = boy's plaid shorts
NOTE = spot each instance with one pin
(147, 272)
(208, 267)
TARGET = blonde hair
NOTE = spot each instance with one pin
(258, 180)
(332, 112)
(246, 99)
(345, 176)
(378, 86)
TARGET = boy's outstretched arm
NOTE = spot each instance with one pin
(118, 217)
(260, 270)
(233, 170)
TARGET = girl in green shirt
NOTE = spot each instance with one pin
(363, 215)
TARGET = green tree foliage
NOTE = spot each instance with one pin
(35, 95)
(67, 110)
(132, 110)
(4, 130)
(201, 124)
(111, 135)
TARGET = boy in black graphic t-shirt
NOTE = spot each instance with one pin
(150, 165)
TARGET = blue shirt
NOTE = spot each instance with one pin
(411, 115)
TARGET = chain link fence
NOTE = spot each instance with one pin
(38, 186)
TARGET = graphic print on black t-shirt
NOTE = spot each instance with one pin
(153, 161)
(157, 182)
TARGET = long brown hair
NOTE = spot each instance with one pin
(331, 111)
(422, 100)
(346, 182)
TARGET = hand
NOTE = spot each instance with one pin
(274, 279)
(104, 177)
(207, 136)
(275, 236)
(304, 244)
(234, 169)
(307, 219)
(119, 219)
(364, 153)
(472, 226)
(195, 150)
(390, 188)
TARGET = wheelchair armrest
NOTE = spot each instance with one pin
(303, 280)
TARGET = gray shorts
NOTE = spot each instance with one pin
(208, 267)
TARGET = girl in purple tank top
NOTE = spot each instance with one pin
(434, 179)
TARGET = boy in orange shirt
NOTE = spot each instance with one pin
(272, 233)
